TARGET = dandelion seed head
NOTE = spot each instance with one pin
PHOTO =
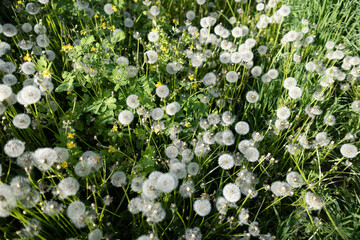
(232, 77)
(45, 158)
(283, 113)
(68, 187)
(252, 154)
(349, 150)
(22, 121)
(193, 234)
(162, 91)
(136, 184)
(14, 148)
(280, 188)
(295, 92)
(226, 161)
(252, 96)
(157, 114)
(5, 92)
(231, 192)
(132, 101)
(202, 207)
(28, 95)
(9, 30)
(315, 202)
(295, 179)
(118, 179)
(126, 117)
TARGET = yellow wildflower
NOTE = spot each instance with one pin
(70, 145)
(197, 35)
(163, 48)
(191, 47)
(114, 8)
(271, 39)
(158, 84)
(46, 73)
(187, 124)
(194, 85)
(93, 48)
(67, 47)
(82, 32)
(64, 164)
(157, 2)
(19, 2)
(70, 135)
(27, 58)
(191, 77)
(101, 19)
(96, 16)
(111, 149)
(156, 131)
(114, 128)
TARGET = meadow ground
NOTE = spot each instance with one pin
(178, 119)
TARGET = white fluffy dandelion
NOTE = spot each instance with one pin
(280, 188)
(162, 91)
(295, 92)
(166, 182)
(171, 151)
(152, 56)
(157, 114)
(5, 92)
(252, 96)
(295, 179)
(22, 121)
(232, 77)
(289, 83)
(226, 161)
(126, 117)
(14, 148)
(109, 8)
(231, 192)
(173, 108)
(42, 41)
(68, 187)
(153, 36)
(45, 158)
(242, 128)
(349, 150)
(202, 207)
(132, 101)
(252, 154)
(315, 202)
(28, 95)
(118, 179)
(283, 113)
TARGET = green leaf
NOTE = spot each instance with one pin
(90, 40)
(118, 37)
(41, 64)
(146, 159)
(65, 86)
(119, 3)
